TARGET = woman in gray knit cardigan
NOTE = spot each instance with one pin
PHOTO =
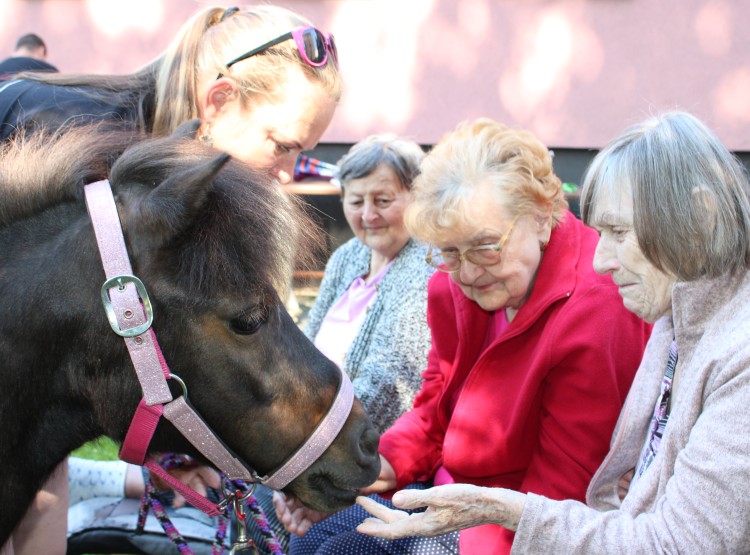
(369, 316)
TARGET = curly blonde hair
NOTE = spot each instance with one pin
(513, 163)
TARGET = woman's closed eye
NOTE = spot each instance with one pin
(616, 232)
(281, 149)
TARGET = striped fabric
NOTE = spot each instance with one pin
(661, 415)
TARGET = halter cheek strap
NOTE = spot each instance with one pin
(130, 315)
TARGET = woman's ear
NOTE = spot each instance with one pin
(544, 227)
(219, 93)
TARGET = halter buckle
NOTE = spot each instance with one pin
(120, 282)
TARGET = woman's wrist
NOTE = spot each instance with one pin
(134, 482)
(504, 506)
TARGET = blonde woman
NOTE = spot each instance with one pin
(263, 81)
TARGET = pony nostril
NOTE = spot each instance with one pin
(368, 445)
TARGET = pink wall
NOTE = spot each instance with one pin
(576, 72)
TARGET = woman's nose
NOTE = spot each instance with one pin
(284, 172)
(605, 260)
(468, 272)
(369, 213)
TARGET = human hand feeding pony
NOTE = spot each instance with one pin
(213, 242)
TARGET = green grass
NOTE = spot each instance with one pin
(101, 449)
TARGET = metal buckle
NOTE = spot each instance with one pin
(120, 282)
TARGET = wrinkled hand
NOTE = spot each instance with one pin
(623, 484)
(295, 517)
(198, 478)
(449, 508)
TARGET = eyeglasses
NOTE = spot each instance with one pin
(314, 47)
(481, 255)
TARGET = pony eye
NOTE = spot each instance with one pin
(250, 321)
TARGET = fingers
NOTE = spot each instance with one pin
(210, 477)
(411, 498)
(301, 521)
(623, 484)
(373, 527)
(379, 511)
(382, 526)
(290, 513)
(378, 486)
(295, 517)
(178, 501)
(197, 478)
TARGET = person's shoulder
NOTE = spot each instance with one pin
(16, 64)
(412, 260)
(348, 259)
(34, 90)
(352, 248)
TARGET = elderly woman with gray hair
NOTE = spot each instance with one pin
(672, 207)
(369, 316)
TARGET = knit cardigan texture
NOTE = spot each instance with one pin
(694, 498)
(386, 359)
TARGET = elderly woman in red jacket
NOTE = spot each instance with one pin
(532, 352)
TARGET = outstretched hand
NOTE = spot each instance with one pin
(449, 508)
(298, 519)
(295, 517)
(198, 478)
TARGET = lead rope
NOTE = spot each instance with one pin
(232, 490)
(272, 543)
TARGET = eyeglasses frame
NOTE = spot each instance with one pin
(499, 246)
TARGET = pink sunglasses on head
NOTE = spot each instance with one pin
(313, 46)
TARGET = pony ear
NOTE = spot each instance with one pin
(167, 210)
(187, 130)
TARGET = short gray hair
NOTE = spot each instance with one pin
(402, 155)
(691, 198)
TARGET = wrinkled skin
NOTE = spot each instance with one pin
(199, 237)
(449, 508)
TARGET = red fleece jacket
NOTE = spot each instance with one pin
(536, 409)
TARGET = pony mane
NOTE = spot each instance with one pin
(249, 232)
(42, 169)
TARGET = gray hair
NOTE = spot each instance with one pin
(403, 156)
(691, 205)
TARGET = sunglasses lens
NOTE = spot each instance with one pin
(315, 46)
(333, 50)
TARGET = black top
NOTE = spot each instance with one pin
(10, 66)
(29, 105)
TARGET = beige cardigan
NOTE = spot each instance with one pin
(695, 496)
